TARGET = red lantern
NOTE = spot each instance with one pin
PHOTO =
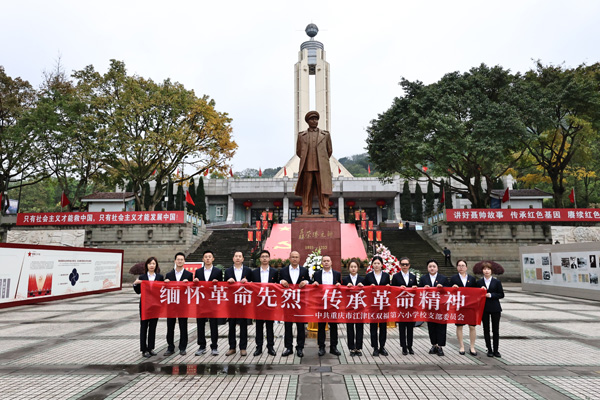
(247, 204)
(277, 203)
(298, 203)
(380, 203)
(350, 203)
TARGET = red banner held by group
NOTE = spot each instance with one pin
(322, 303)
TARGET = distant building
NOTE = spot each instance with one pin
(109, 201)
(519, 198)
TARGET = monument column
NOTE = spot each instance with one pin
(341, 216)
(230, 208)
(397, 214)
(286, 209)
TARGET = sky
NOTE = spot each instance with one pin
(242, 53)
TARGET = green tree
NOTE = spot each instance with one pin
(464, 126)
(155, 126)
(406, 202)
(170, 195)
(560, 108)
(180, 198)
(147, 195)
(201, 199)
(429, 199)
(418, 205)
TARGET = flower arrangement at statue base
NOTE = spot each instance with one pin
(314, 262)
(391, 265)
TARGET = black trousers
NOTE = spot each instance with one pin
(243, 323)
(437, 333)
(485, 321)
(183, 333)
(147, 334)
(355, 336)
(214, 332)
(260, 334)
(406, 334)
(382, 334)
(333, 334)
(288, 337)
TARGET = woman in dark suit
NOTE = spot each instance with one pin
(354, 330)
(148, 327)
(462, 279)
(492, 308)
(437, 332)
(378, 278)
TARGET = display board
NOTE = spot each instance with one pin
(30, 273)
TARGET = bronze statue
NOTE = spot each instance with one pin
(314, 175)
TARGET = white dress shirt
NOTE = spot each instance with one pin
(207, 272)
(264, 275)
(294, 274)
(178, 274)
(327, 277)
(238, 273)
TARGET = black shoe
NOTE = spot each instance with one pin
(496, 354)
(410, 351)
(352, 353)
(182, 352)
(490, 354)
(358, 353)
(335, 351)
(440, 352)
(152, 353)
(321, 351)
(383, 352)
(300, 352)
(271, 351)
(286, 352)
(473, 353)
(461, 352)
(404, 351)
(257, 352)
(375, 353)
(433, 350)
(169, 353)
(146, 354)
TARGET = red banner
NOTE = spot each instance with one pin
(101, 218)
(323, 303)
(523, 215)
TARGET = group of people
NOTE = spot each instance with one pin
(294, 273)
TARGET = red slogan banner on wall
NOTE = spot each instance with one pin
(323, 303)
(101, 218)
(522, 215)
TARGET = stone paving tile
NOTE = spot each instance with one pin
(13, 344)
(30, 316)
(506, 306)
(209, 387)
(97, 316)
(580, 388)
(66, 306)
(18, 387)
(573, 307)
(545, 352)
(507, 329)
(46, 329)
(549, 315)
(589, 329)
(436, 387)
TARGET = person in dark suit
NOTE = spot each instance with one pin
(462, 279)
(181, 275)
(405, 279)
(291, 275)
(238, 273)
(354, 331)
(265, 274)
(327, 276)
(208, 273)
(492, 309)
(437, 332)
(148, 326)
(378, 278)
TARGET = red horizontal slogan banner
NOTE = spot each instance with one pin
(323, 303)
(101, 218)
(525, 215)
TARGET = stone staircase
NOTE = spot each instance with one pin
(408, 243)
(223, 242)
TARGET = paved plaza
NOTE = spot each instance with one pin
(88, 348)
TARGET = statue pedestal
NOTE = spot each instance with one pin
(310, 232)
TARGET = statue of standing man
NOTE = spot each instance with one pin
(314, 176)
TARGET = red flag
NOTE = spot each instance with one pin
(231, 172)
(259, 172)
(339, 170)
(369, 169)
(206, 172)
(154, 172)
(444, 196)
(506, 196)
(188, 198)
(284, 171)
(572, 196)
(64, 201)
(425, 168)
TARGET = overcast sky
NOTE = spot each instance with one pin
(242, 53)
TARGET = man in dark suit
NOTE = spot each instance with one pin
(178, 274)
(291, 275)
(405, 279)
(265, 274)
(208, 273)
(238, 273)
(327, 276)
(437, 332)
